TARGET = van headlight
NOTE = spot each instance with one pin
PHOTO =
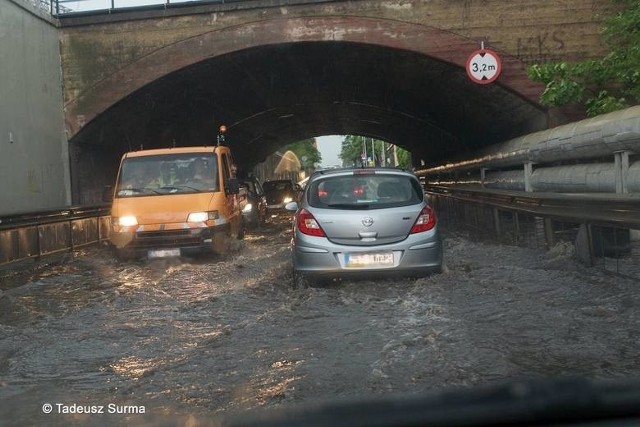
(202, 216)
(125, 221)
(247, 208)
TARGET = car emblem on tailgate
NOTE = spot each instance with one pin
(367, 221)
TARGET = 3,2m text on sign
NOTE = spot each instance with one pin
(484, 66)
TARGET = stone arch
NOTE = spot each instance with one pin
(436, 43)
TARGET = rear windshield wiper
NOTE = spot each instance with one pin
(349, 206)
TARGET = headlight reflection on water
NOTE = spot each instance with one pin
(136, 367)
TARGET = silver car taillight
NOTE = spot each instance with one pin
(425, 222)
(307, 224)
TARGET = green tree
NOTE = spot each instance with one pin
(351, 150)
(404, 158)
(353, 147)
(601, 85)
(305, 149)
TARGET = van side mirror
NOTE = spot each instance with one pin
(232, 186)
(107, 194)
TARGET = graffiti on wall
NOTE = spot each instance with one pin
(541, 48)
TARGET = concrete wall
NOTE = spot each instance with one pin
(34, 161)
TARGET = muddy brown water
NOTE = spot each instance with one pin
(187, 339)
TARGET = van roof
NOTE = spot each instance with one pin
(176, 150)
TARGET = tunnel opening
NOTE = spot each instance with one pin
(273, 95)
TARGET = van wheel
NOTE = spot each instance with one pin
(219, 245)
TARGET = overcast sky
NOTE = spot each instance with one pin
(329, 147)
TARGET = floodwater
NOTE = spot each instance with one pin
(199, 339)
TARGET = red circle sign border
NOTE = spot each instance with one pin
(498, 62)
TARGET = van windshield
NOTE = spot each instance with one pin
(168, 174)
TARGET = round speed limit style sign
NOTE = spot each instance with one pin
(484, 66)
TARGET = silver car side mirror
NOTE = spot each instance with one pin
(291, 206)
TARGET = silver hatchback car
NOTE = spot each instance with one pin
(364, 222)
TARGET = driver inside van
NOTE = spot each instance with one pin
(139, 179)
(168, 175)
(201, 174)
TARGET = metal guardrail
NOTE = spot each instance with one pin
(35, 235)
(601, 226)
(602, 230)
(620, 210)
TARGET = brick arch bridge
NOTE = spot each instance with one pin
(279, 73)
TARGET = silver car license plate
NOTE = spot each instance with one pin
(163, 253)
(380, 259)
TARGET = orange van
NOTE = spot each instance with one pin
(175, 201)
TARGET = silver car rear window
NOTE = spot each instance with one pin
(373, 191)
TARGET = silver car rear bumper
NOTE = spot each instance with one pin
(419, 254)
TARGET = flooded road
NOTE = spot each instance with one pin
(216, 336)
